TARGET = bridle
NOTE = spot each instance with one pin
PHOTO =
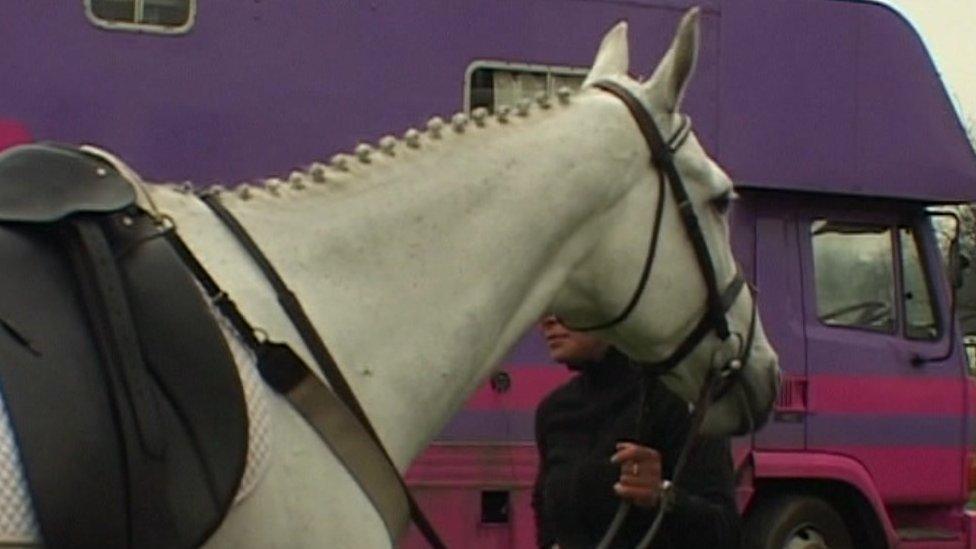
(718, 302)
(662, 157)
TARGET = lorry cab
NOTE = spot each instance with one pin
(869, 442)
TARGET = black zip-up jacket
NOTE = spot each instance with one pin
(577, 427)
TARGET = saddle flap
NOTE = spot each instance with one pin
(144, 452)
(42, 183)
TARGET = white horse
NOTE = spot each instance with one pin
(424, 260)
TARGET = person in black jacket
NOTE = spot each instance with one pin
(587, 465)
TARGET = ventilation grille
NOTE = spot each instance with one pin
(792, 394)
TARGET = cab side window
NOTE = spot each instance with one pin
(854, 275)
(920, 317)
(142, 15)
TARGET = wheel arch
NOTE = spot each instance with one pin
(841, 481)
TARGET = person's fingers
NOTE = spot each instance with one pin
(628, 451)
(649, 470)
(648, 474)
(631, 492)
(640, 482)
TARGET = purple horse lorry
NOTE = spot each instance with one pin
(829, 115)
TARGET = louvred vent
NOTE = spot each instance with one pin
(792, 394)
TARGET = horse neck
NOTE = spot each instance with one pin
(423, 269)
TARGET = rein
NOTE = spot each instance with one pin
(332, 410)
(718, 303)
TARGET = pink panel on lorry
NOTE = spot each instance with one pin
(887, 395)
(922, 485)
(13, 133)
(970, 519)
(449, 482)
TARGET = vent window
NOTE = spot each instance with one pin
(493, 84)
(165, 16)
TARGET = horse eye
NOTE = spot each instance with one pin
(723, 202)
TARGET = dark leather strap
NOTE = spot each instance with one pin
(718, 304)
(662, 158)
(218, 297)
(328, 416)
(320, 352)
(126, 373)
(645, 272)
(702, 329)
(101, 286)
(335, 424)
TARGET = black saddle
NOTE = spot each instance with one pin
(126, 405)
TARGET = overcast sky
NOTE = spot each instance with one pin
(949, 29)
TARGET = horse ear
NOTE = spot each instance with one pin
(666, 87)
(612, 59)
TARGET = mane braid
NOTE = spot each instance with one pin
(365, 156)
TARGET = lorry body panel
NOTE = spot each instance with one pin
(252, 91)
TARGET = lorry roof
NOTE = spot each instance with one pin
(837, 97)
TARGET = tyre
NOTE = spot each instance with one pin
(795, 522)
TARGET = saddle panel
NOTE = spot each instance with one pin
(56, 396)
(93, 478)
(42, 183)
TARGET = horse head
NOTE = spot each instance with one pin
(662, 283)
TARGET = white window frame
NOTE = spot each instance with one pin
(549, 70)
(141, 27)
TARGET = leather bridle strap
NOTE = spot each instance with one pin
(645, 272)
(702, 329)
(316, 346)
(718, 302)
(663, 160)
(715, 384)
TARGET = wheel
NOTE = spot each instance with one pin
(795, 522)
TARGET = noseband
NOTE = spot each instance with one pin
(718, 301)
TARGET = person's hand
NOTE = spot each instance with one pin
(640, 474)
